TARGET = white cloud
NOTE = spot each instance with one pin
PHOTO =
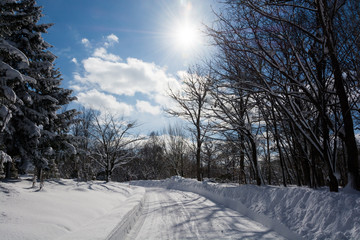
(103, 102)
(103, 54)
(85, 42)
(79, 79)
(74, 60)
(111, 40)
(125, 78)
(104, 77)
(76, 88)
(164, 100)
(146, 107)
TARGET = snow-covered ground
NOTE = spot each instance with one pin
(176, 208)
(64, 209)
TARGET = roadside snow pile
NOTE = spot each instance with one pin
(64, 209)
(312, 214)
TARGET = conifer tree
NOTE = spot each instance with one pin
(12, 60)
(36, 126)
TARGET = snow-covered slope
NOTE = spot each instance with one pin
(64, 209)
(312, 214)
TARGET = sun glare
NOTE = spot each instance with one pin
(186, 37)
(182, 34)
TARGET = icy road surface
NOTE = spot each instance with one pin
(172, 214)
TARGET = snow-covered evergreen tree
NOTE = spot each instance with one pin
(35, 128)
(12, 60)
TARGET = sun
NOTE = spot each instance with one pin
(186, 36)
(182, 33)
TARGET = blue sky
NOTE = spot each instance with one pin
(121, 55)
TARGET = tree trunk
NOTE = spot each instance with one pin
(350, 140)
(208, 168)
(41, 178)
(181, 165)
(333, 182)
(8, 170)
(268, 157)
(255, 161)
(242, 160)
(198, 163)
(281, 158)
(107, 175)
(198, 152)
(305, 165)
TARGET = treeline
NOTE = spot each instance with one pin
(108, 148)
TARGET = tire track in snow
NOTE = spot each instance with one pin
(178, 197)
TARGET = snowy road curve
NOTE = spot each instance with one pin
(173, 214)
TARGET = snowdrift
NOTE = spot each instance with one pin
(294, 212)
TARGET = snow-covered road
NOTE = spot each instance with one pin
(173, 214)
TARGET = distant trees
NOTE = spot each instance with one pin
(152, 161)
(104, 144)
(176, 148)
(81, 165)
(211, 151)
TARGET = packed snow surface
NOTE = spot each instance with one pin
(174, 214)
(175, 208)
(294, 212)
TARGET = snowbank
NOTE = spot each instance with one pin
(64, 209)
(311, 214)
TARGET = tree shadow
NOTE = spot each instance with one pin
(192, 216)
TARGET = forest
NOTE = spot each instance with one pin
(278, 103)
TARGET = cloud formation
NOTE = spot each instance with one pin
(125, 78)
(74, 60)
(111, 39)
(106, 77)
(146, 107)
(100, 101)
(103, 54)
(85, 42)
(113, 75)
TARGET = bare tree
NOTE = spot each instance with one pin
(234, 110)
(112, 142)
(301, 54)
(191, 102)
